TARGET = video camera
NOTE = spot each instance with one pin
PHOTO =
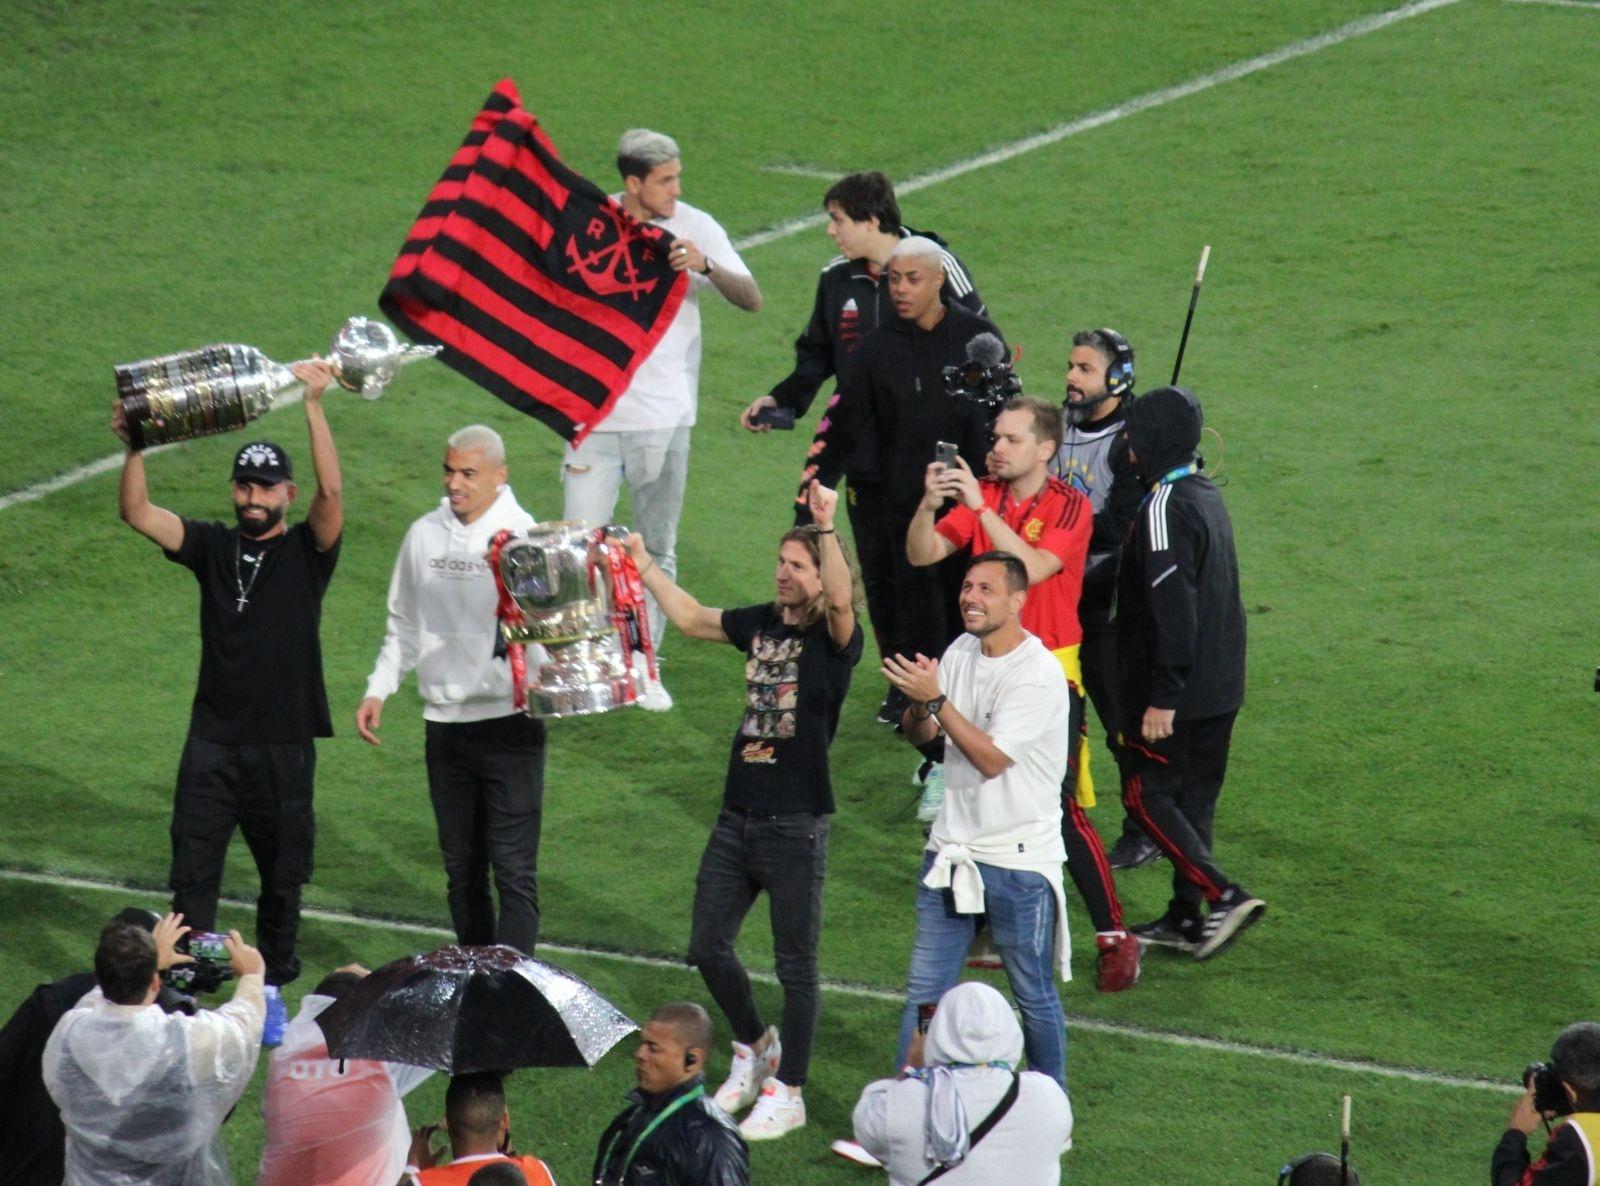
(212, 967)
(1549, 1096)
(986, 377)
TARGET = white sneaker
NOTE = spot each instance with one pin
(932, 794)
(653, 694)
(776, 1113)
(852, 1151)
(748, 1074)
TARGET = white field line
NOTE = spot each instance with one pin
(995, 156)
(804, 171)
(1145, 102)
(1591, 5)
(113, 461)
(866, 992)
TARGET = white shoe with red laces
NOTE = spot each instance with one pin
(749, 1074)
(777, 1112)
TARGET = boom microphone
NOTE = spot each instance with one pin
(986, 349)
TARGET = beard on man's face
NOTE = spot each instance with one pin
(255, 528)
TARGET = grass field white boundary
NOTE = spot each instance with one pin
(995, 156)
(863, 991)
(804, 171)
(1591, 5)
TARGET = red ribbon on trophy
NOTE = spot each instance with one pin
(508, 613)
(628, 612)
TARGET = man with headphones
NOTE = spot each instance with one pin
(1569, 1088)
(1093, 457)
(672, 1133)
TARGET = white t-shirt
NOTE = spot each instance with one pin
(1020, 700)
(665, 391)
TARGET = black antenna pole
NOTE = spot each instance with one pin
(1194, 299)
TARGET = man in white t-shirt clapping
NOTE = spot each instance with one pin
(645, 438)
(995, 852)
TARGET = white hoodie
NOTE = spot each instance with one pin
(441, 615)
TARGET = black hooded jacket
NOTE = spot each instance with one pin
(697, 1145)
(1179, 615)
(894, 407)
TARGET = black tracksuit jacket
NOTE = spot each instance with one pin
(851, 302)
(893, 404)
(1179, 614)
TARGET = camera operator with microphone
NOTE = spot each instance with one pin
(895, 399)
(1567, 1089)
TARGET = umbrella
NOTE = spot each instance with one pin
(464, 1009)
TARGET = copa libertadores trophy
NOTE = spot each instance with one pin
(219, 388)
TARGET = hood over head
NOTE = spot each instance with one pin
(973, 1024)
(1164, 430)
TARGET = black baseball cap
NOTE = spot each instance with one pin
(263, 461)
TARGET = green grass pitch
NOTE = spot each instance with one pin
(1396, 344)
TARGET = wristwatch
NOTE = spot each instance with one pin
(709, 268)
(933, 706)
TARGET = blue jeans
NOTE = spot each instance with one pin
(1020, 908)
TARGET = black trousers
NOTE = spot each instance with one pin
(1098, 655)
(787, 856)
(1171, 788)
(1087, 863)
(486, 780)
(869, 528)
(265, 791)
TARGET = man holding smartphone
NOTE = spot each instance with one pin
(853, 300)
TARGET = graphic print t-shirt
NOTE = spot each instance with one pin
(795, 683)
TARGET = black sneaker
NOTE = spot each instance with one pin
(1181, 933)
(1230, 914)
(892, 708)
(1134, 850)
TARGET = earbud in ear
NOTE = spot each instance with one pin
(689, 1060)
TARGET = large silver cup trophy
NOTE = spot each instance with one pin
(564, 579)
(223, 387)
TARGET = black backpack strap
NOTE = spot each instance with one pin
(984, 1128)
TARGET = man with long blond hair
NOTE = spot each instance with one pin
(772, 832)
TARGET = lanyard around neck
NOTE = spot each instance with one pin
(684, 1099)
(1171, 476)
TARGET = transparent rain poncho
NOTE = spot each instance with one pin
(143, 1093)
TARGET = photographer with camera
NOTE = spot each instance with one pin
(1566, 1089)
(143, 1093)
(32, 1141)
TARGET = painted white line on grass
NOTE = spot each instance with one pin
(1145, 102)
(1591, 5)
(863, 991)
(995, 156)
(113, 461)
(803, 171)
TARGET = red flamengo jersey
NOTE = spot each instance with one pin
(1056, 520)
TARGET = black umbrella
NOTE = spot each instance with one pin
(464, 1009)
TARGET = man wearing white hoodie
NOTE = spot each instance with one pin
(968, 1115)
(485, 759)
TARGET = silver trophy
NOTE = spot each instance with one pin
(561, 576)
(223, 387)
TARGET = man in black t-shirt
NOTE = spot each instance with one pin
(772, 833)
(249, 759)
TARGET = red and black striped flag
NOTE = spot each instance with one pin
(538, 285)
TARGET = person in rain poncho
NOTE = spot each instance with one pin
(143, 1093)
(335, 1122)
(968, 1115)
